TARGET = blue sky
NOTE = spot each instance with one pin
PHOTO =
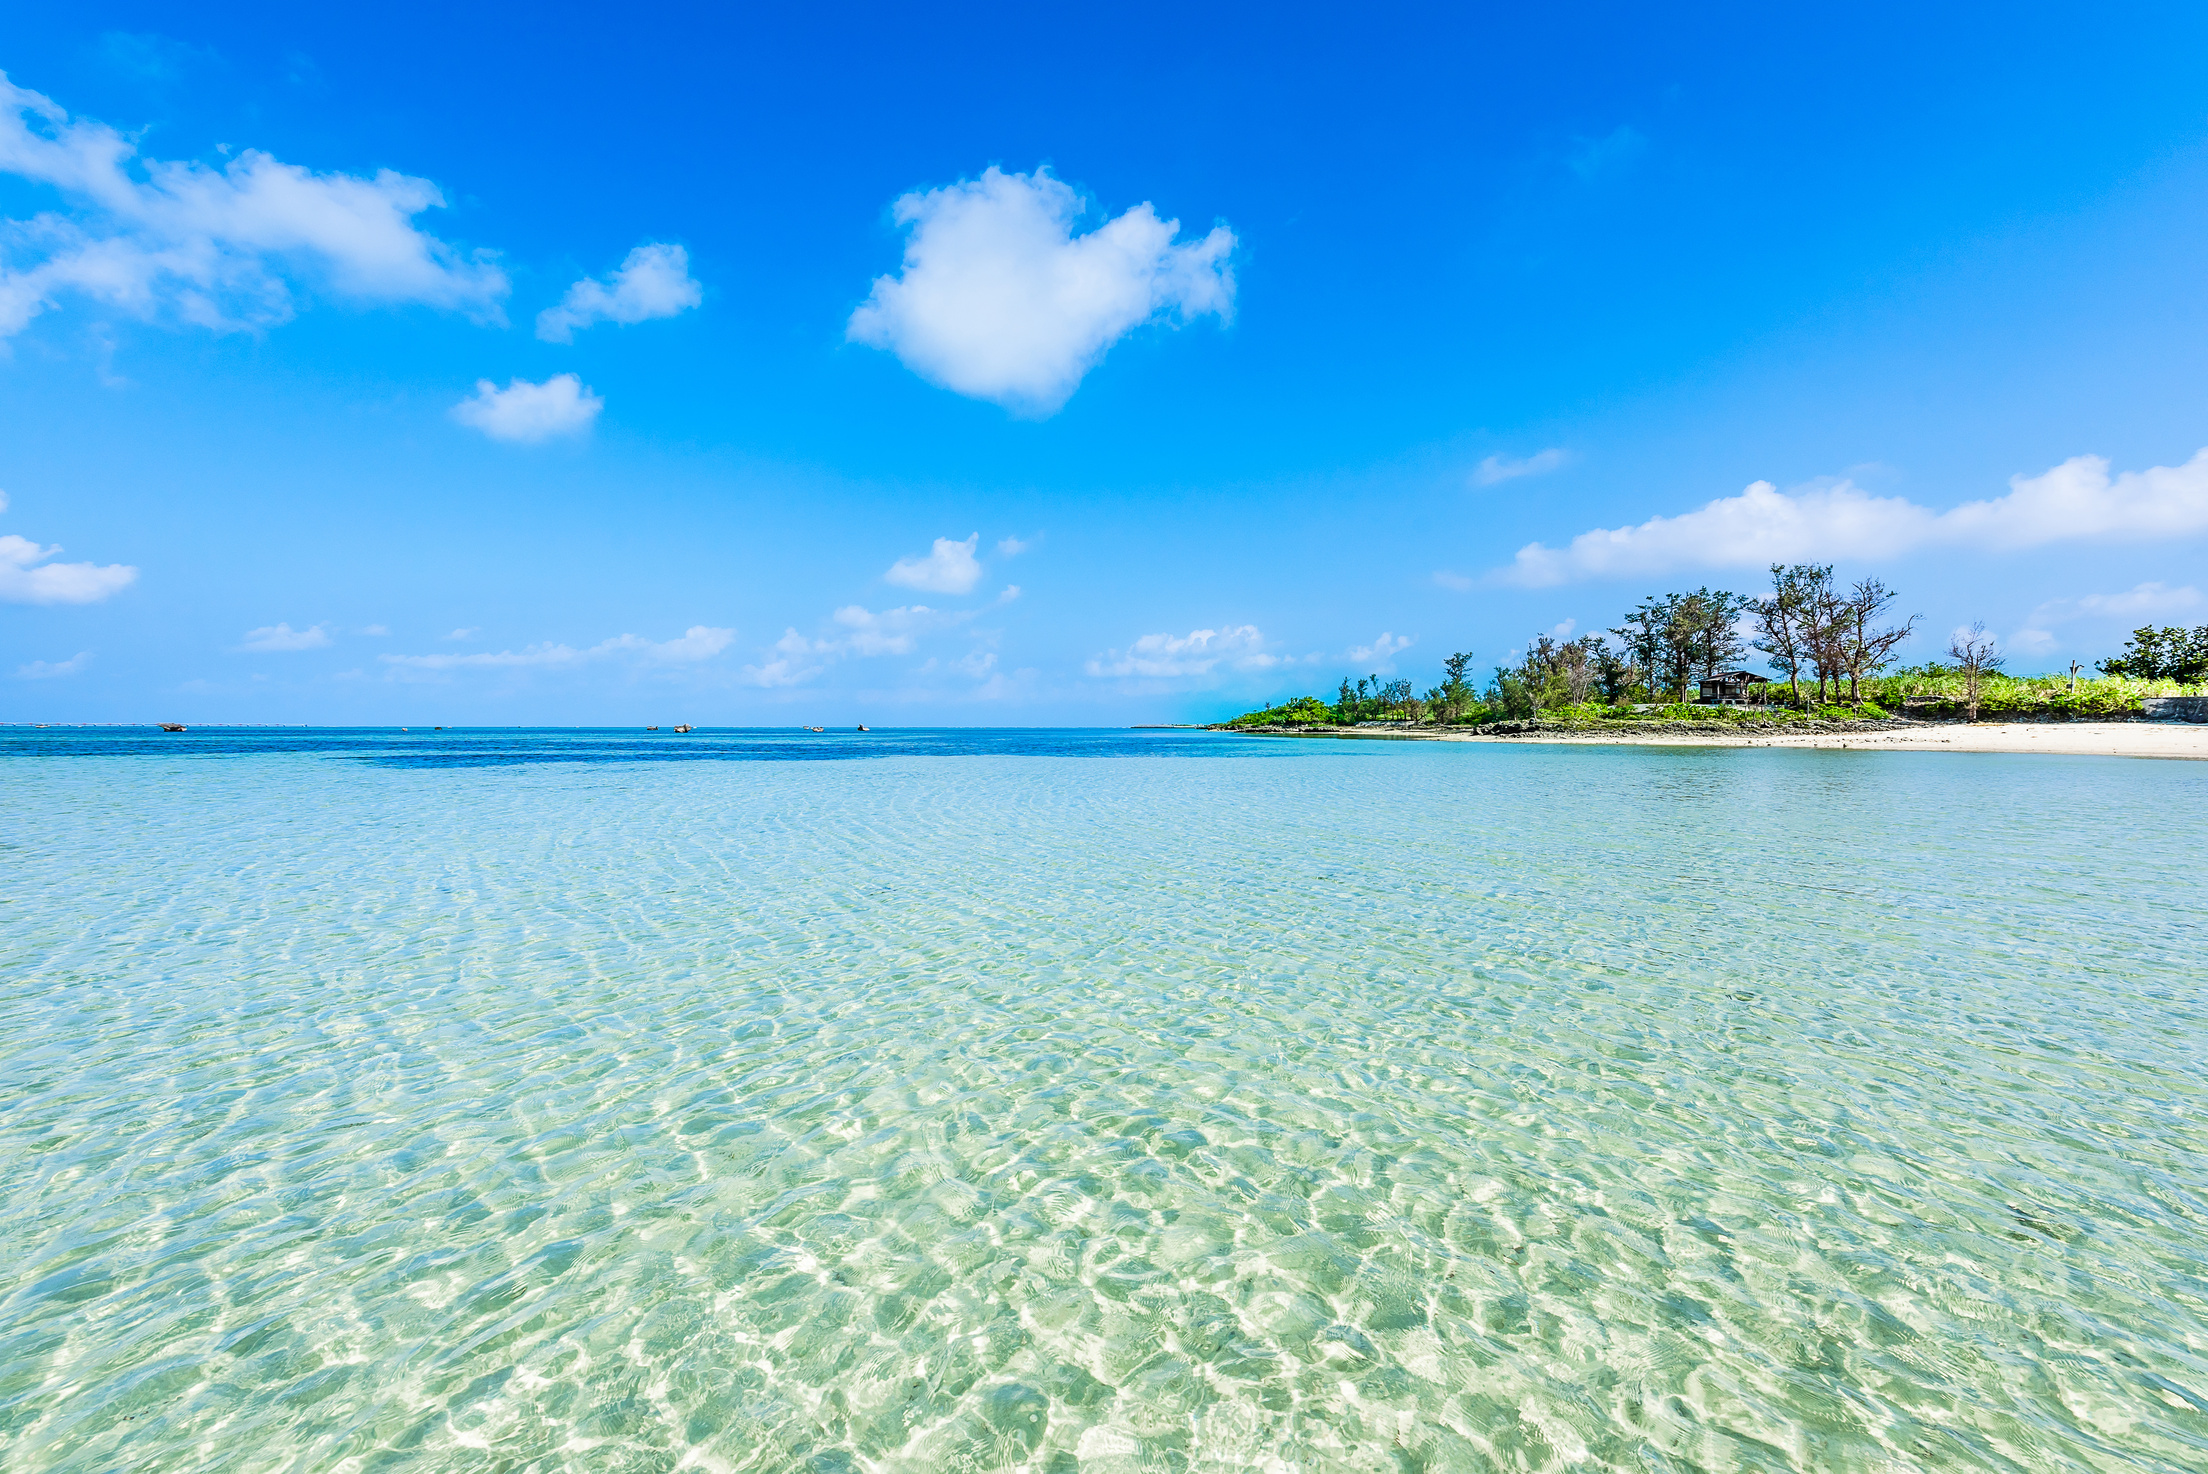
(877, 364)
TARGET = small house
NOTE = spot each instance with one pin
(1733, 688)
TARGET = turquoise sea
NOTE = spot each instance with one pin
(1098, 1101)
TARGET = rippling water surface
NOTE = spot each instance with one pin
(1095, 1101)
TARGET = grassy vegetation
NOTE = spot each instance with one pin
(1934, 691)
(1826, 643)
(1928, 693)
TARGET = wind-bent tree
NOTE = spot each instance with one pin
(1865, 650)
(1974, 653)
(1783, 620)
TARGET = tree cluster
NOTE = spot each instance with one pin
(1809, 623)
(2166, 654)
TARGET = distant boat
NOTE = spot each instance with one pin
(172, 726)
(685, 727)
(651, 729)
(816, 729)
(866, 729)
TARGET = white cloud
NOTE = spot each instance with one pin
(1496, 469)
(891, 632)
(26, 578)
(2149, 600)
(856, 631)
(948, 569)
(375, 629)
(1000, 300)
(1012, 547)
(1382, 650)
(2146, 601)
(2076, 501)
(467, 633)
(284, 637)
(976, 663)
(653, 282)
(796, 659)
(218, 248)
(1192, 654)
(699, 642)
(526, 412)
(46, 670)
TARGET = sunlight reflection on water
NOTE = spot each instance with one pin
(1095, 1101)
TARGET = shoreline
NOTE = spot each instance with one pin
(2175, 740)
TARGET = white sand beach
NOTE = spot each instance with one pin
(2070, 739)
(2074, 739)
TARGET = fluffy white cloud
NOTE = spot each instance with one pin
(949, 568)
(1497, 469)
(527, 413)
(699, 642)
(218, 248)
(284, 637)
(653, 282)
(1382, 650)
(27, 578)
(2073, 502)
(46, 670)
(1193, 654)
(1012, 547)
(1000, 300)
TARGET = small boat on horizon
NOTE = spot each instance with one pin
(651, 729)
(866, 729)
(816, 729)
(172, 726)
(685, 727)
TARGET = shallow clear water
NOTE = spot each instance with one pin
(1097, 1101)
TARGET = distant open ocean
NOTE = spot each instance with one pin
(1095, 1101)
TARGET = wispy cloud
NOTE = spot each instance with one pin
(1012, 547)
(1381, 653)
(271, 637)
(27, 578)
(653, 282)
(2077, 501)
(46, 670)
(2146, 602)
(1000, 300)
(1612, 152)
(527, 413)
(854, 631)
(1197, 653)
(1499, 468)
(215, 248)
(698, 643)
(948, 568)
